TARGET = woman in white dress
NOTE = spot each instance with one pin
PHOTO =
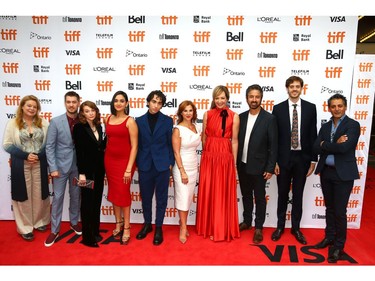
(186, 138)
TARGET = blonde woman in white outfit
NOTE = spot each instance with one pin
(186, 138)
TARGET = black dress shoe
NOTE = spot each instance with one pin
(146, 229)
(28, 236)
(277, 234)
(244, 226)
(98, 238)
(324, 243)
(90, 244)
(299, 236)
(158, 237)
(334, 256)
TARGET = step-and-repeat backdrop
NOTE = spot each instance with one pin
(185, 57)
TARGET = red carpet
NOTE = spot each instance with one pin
(68, 250)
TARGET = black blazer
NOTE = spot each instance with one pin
(262, 151)
(308, 131)
(89, 150)
(344, 153)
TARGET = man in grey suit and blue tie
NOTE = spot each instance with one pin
(61, 159)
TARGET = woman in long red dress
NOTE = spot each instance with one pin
(119, 161)
(217, 209)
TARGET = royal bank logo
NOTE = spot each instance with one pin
(301, 37)
(235, 104)
(41, 68)
(130, 53)
(136, 86)
(9, 51)
(34, 35)
(231, 72)
(268, 19)
(201, 19)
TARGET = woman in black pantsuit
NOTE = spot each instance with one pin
(90, 145)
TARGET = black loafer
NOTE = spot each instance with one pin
(334, 255)
(299, 236)
(158, 237)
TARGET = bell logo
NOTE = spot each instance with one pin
(39, 19)
(104, 20)
(168, 20)
(8, 34)
(302, 21)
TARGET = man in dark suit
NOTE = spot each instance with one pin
(295, 160)
(336, 144)
(256, 159)
(155, 160)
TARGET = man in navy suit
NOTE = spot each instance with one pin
(337, 166)
(296, 160)
(155, 160)
(256, 159)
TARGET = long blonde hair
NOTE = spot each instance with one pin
(19, 113)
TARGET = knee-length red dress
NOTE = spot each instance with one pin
(116, 159)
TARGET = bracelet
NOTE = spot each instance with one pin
(128, 172)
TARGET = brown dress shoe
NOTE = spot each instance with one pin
(258, 236)
(244, 226)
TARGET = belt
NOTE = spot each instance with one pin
(330, 167)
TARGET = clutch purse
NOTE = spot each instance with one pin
(88, 184)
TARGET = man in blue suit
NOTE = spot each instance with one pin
(296, 160)
(61, 157)
(337, 166)
(256, 160)
(155, 160)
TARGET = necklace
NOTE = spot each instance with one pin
(93, 129)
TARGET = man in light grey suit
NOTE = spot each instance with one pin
(256, 159)
(61, 159)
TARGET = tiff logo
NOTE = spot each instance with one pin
(168, 87)
(267, 72)
(169, 20)
(72, 69)
(268, 37)
(136, 36)
(235, 20)
(333, 72)
(234, 54)
(168, 53)
(201, 70)
(302, 21)
(201, 36)
(234, 88)
(301, 55)
(365, 67)
(39, 19)
(42, 85)
(104, 86)
(104, 20)
(136, 69)
(10, 67)
(104, 53)
(8, 34)
(336, 37)
(72, 35)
